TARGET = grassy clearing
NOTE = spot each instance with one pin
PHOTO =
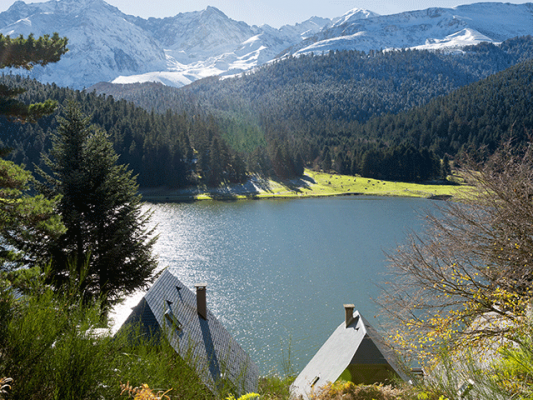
(312, 184)
(328, 185)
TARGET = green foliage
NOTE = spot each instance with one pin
(26, 222)
(511, 372)
(48, 347)
(403, 163)
(152, 360)
(481, 114)
(275, 387)
(55, 346)
(170, 150)
(26, 53)
(101, 210)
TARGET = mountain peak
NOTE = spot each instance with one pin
(353, 15)
(61, 6)
(210, 10)
(18, 4)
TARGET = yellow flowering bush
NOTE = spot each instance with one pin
(143, 392)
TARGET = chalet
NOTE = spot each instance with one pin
(354, 352)
(169, 308)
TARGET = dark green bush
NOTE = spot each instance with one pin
(56, 347)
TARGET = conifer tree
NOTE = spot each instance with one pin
(101, 210)
(27, 223)
(26, 53)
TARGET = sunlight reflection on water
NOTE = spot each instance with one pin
(278, 272)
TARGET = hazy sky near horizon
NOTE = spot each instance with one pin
(272, 12)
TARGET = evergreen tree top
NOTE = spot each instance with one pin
(26, 53)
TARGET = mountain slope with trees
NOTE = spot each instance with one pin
(385, 115)
(477, 115)
(341, 86)
(481, 114)
(344, 111)
(221, 138)
(170, 149)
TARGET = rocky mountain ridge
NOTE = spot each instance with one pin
(433, 28)
(108, 45)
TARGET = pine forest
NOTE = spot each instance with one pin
(391, 115)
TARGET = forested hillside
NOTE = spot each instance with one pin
(332, 89)
(480, 114)
(388, 115)
(327, 108)
(167, 149)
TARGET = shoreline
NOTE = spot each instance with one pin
(311, 185)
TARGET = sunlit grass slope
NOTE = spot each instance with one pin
(312, 184)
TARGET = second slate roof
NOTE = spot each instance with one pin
(338, 352)
(170, 306)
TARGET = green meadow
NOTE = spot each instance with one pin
(312, 184)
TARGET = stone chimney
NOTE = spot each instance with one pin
(201, 302)
(348, 312)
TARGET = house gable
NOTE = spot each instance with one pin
(169, 307)
(353, 352)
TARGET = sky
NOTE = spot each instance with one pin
(272, 12)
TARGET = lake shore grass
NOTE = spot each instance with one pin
(312, 184)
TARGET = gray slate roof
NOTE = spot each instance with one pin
(170, 307)
(359, 343)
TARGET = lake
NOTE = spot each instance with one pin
(279, 271)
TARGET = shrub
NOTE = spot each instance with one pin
(349, 391)
(275, 387)
(55, 346)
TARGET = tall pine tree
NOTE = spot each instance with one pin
(101, 210)
(27, 223)
(25, 53)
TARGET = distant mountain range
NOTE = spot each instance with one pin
(108, 45)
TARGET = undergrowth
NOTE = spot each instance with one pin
(55, 345)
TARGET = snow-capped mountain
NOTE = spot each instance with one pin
(196, 36)
(108, 45)
(207, 43)
(433, 28)
(102, 43)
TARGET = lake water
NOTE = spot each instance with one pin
(279, 271)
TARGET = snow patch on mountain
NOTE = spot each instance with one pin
(458, 40)
(433, 28)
